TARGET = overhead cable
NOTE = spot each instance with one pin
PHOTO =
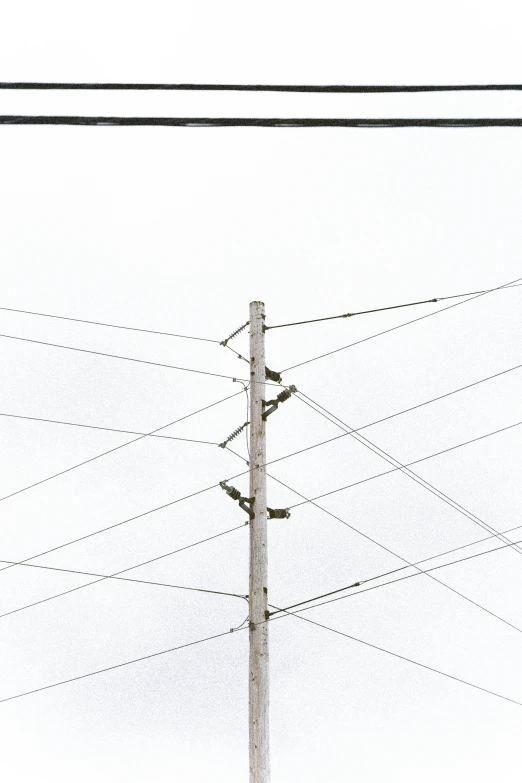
(382, 309)
(312, 88)
(400, 326)
(264, 122)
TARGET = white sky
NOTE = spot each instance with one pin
(178, 230)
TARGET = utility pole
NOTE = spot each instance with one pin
(258, 590)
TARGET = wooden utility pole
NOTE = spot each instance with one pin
(258, 592)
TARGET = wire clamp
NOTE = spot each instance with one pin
(271, 375)
(235, 494)
(234, 435)
(278, 513)
(231, 336)
(281, 397)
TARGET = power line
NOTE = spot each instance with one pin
(152, 433)
(112, 326)
(400, 326)
(116, 575)
(264, 122)
(400, 557)
(414, 476)
(123, 578)
(313, 88)
(382, 309)
(125, 358)
(397, 655)
(393, 581)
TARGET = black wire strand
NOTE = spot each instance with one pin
(264, 122)
(312, 88)
(400, 326)
(382, 309)
(111, 326)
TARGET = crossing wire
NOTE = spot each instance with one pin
(382, 309)
(400, 326)
(152, 433)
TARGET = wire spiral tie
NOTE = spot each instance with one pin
(231, 336)
(234, 435)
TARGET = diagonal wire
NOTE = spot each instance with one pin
(116, 448)
(400, 326)
(111, 326)
(414, 476)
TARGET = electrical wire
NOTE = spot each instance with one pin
(265, 122)
(400, 557)
(414, 476)
(397, 655)
(152, 433)
(400, 326)
(393, 581)
(382, 309)
(116, 575)
(313, 88)
(111, 326)
(121, 578)
(125, 358)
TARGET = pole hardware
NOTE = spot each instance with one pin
(233, 435)
(231, 336)
(271, 375)
(235, 494)
(281, 397)
(278, 513)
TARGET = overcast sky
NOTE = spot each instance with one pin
(177, 230)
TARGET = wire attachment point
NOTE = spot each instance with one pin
(281, 397)
(278, 513)
(235, 494)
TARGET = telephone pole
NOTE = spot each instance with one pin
(258, 590)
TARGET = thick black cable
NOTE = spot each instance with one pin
(400, 326)
(152, 433)
(263, 122)
(319, 88)
(382, 309)
(121, 578)
(111, 326)
(414, 476)
(393, 581)
(400, 557)
(397, 655)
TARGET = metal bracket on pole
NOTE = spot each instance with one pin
(281, 397)
(278, 513)
(235, 494)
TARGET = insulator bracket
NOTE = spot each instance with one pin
(274, 404)
(235, 494)
(234, 435)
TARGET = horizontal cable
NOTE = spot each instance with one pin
(265, 122)
(399, 579)
(382, 309)
(400, 326)
(116, 575)
(122, 578)
(112, 326)
(152, 433)
(334, 88)
(415, 462)
(397, 655)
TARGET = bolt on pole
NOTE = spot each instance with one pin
(258, 682)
